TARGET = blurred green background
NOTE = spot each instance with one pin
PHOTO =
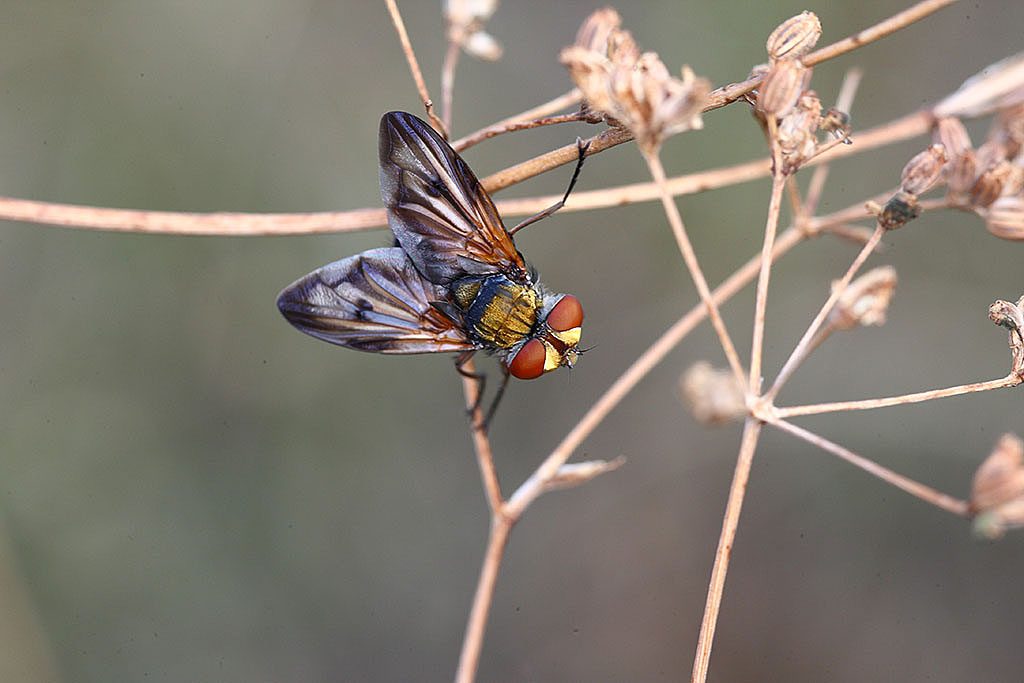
(192, 491)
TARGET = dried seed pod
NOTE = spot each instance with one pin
(1008, 128)
(997, 492)
(1005, 218)
(794, 37)
(989, 185)
(866, 300)
(923, 170)
(782, 86)
(712, 395)
(798, 131)
(951, 134)
(961, 172)
(902, 208)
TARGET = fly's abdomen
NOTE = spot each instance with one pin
(503, 312)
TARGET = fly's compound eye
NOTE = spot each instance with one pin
(566, 315)
(529, 361)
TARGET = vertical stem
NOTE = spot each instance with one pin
(451, 58)
(414, 66)
(804, 346)
(761, 304)
(683, 240)
(481, 442)
(469, 659)
(737, 491)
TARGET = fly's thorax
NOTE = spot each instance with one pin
(498, 311)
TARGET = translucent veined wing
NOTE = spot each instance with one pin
(437, 208)
(373, 301)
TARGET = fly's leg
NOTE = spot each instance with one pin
(497, 398)
(478, 377)
(581, 151)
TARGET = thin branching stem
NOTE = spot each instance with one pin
(494, 131)
(730, 523)
(761, 300)
(675, 219)
(911, 486)
(481, 442)
(805, 345)
(414, 67)
(1010, 380)
(472, 643)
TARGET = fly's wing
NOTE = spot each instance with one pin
(437, 208)
(373, 301)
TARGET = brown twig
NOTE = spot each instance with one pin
(1010, 380)
(495, 130)
(675, 219)
(481, 443)
(730, 523)
(414, 67)
(761, 299)
(280, 224)
(472, 643)
(918, 490)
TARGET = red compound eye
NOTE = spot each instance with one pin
(528, 363)
(567, 314)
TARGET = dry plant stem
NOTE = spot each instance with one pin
(550, 107)
(805, 345)
(737, 491)
(414, 67)
(472, 643)
(640, 368)
(481, 442)
(1010, 380)
(878, 31)
(494, 131)
(914, 488)
(451, 60)
(240, 224)
(675, 219)
(761, 302)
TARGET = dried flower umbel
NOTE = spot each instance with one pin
(466, 19)
(866, 300)
(636, 90)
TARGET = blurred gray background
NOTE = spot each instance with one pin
(191, 490)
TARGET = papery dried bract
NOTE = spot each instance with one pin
(596, 30)
(866, 299)
(712, 395)
(466, 19)
(781, 88)
(997, 492)
(798, 131)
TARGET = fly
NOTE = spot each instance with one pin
(455, 282)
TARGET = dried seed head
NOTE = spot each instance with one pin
(781, 88)
(951, 134)
(1008, 128)
(866, 300)
(1005, 218)
(902, 208)
(633, 89)
(466, 19)
(1008, 315)
(997, 493)
(924, 170)
(597, 29)
(794, 37)
(995, 87)
(990, 184)
(713, 396)
(798, 131)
